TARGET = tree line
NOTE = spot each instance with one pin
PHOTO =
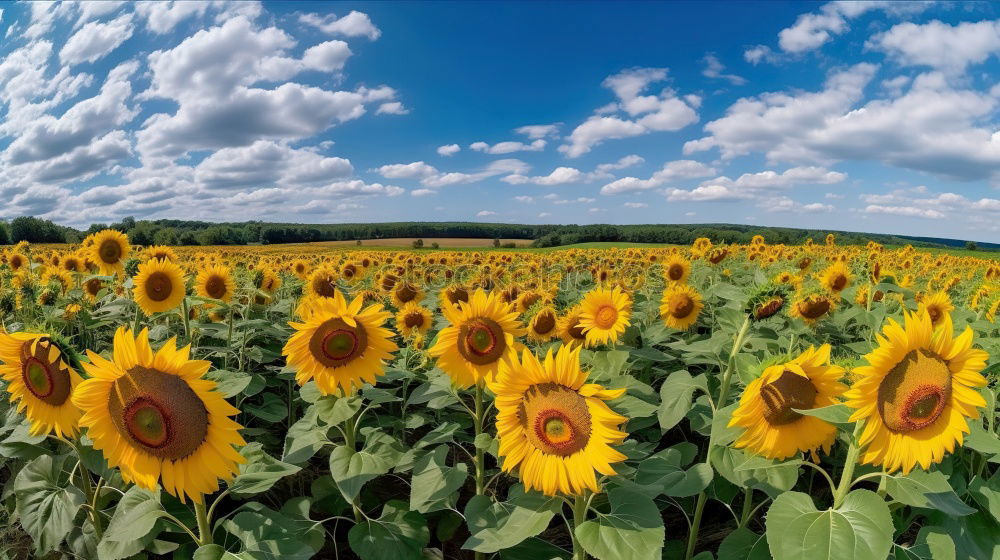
(187, 232)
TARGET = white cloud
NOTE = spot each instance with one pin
(485, 213)
(392, 108)
(508, 147)
(525, 199)
(559, 176)
(95, 40)
(448, 150)
(788, 178)
(671, 171)
(415, 170)
(327, 56)
(759, 53)
(645, 113)
(544, 215)
(714, 69)
(266, 164)
(625, 162)
(431, 177)
(705, 193)
(636, 205)
(948, 48)
(423, 192)
(908, 211)
(354, 24)
(785, 204)
(536, 131)
(812, 30)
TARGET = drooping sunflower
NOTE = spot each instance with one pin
(917, 393)
(811, 308)
(554, 427)
(482, 333)
(413, 319)
(108, 250)
(215, 282)
(938, 305)
(604, 315)
(157, 418)
(161, 253)
(40, 381)
(93, 287)
(767, 408)
(543, 325)
(680, 306)
(159, 286)
(676, 269)
(570, 329)
(340, 345)
(836, 278)
(406, 292)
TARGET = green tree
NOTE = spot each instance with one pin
(971, 246)
(418, 244)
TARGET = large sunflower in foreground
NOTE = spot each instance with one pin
(917, 394)
(767, 408)
(340, 345)
(215, 282)
(482, 333)
(553, 426)
(604, 315)
(40, 382)
(157, 419)
(680, 306)
(108, 250)
(159, 286)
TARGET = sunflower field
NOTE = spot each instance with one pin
(714, 401)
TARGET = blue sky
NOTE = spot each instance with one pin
(868, 116)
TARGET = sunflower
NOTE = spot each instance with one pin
(157, 418)
(161, 253)
(680, 306)
(917, 393)
(938, 306)
(17, 261)
(570, 329)
(159, 286)
(767, 409)
(543, 325)
(340, 345)
(322, 282)
(93, 287)
(40, 381)
(482, 333)
(811, 308)
(604, 315)
(676, 269)
(404, 293)
(413, 319)
(215, 282)
(554, 427)
(108, 250)
(836, 278)
(300, 268)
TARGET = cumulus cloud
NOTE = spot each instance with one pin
(485, 213)
(671, 171)
(714, 69)
(636, 205)
(96, 40)
(430, 176)
(948, 48)
(536, 131)
(448, 150)
(508, 147)
(643, 113)
(814, 29)
(354, 24)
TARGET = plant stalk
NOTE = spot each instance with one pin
(204, 524)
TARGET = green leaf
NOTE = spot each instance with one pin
(272, 410)
(229, 383)
(747, 470)
(209, 552)
(260, 472)
(861, 529)
(675, 397)
(265, 534)
(722, 432)
(834, 414)
(495, 526)
(434, 482)
(665, 472)
(534, 549)
(633, 530)
(133, 525)
(304, 438)
(981, 440)
(926, 490)
(337, 410)
(932, 543)
(46, 503)
(744, 544)
(352, 469)
(974, 535)
(986, 493)
(397, 535)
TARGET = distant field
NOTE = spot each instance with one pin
(443, 242)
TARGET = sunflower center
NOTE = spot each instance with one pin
(914, 393)
(48, 380)
(787, 392)
(481, 341)
(576, 331)
(680, 306)
(158, 413)
(529, 300)
(839, 282)
(814, 309)
(335, 343)
(606, 317)
(934, 312)
(769, 308)
(414, 320)
(457, 295)
(158, 286)
(545, 322)
(215, 287)
(556, 419)
(92, 286)
(324, 287)
(406, 292)
(675, 272)
(110, 251)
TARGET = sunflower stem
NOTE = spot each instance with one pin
(350, 440)
(847, 477)
(480, 456)
(187, 321)
(204, 524)
(747, 507)
(579, 516)
(88, 489)
(727, 378)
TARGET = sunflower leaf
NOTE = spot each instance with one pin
(434, 482)
(496, 526)
(133, 525)
(926, 490)
(46, 503)
(675, 397)
(834, 414)
(633, 530)
(397, 535)
(260, 472)
(932, 543)
(861, 528)
(744, 544)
